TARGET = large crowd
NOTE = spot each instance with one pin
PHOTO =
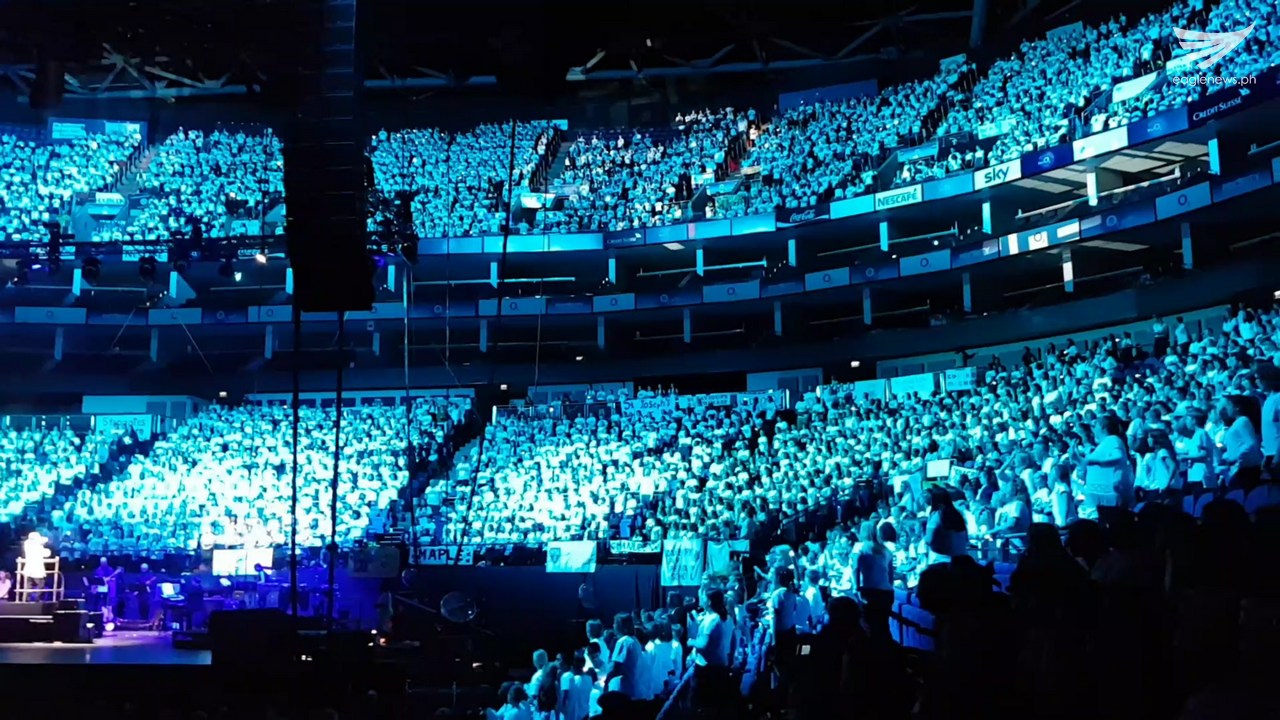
(1065, 432)
(221, 479)
(1050, 90)
(40, 181)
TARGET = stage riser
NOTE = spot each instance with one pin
(26, 629)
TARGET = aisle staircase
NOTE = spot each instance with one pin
(559, 160)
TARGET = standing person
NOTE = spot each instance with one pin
(947, 534)
(668, 657)
(575, 688)
(875, 578)
(624, 668)
(1109, 468)
(708, 683)
(786, 612)
(546, 696)
(1195, 450)
(1241, 446)
(812, 592)
(1269, 379)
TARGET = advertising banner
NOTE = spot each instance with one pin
(683, 560)
(702, 402)
(1043, 161)
(936, 261)
(997, 174)
(901, 197)
(623, 238)
(791, 217)
(571, 556)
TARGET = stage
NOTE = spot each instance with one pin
(117, 648)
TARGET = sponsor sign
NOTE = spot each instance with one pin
(790, 217)
(623, 238)
(1183, 201)
(935, 261)
(948, 187)
(850, 207)
(1100, 144)
(1255, 180)
(890, 199)
(1042, 161)
(446, 555)
(989, 250)
(1168, 122)
(1118, 219)
(997, 175)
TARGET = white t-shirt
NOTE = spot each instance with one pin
(626, 658)
(789, 610)
(719, 641)
(576, 690)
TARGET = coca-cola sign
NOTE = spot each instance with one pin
(800, 216)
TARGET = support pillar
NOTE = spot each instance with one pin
(968, 292)
(688, 326)
(1188, 251)
(1068, 272)
(866, 306)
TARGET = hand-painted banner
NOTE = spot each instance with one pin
(571, 556)
(683, 560)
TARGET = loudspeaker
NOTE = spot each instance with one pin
(256, 638)
(71, 626)
(46, 89)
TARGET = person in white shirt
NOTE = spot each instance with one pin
(667, 657)
(575, 688)
(1269, 378)
(1241, 447)
(812, 592)
(1195, 450)
(540, 660)
(1108, 469)
(624, 668)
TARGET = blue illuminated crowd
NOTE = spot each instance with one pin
(1052, 89)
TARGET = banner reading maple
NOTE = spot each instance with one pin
(683, 560)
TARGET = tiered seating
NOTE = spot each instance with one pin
(642, 178)
(39, 180)
(210, 178)
(818, 153)
(1250, 58)
(223, 479)
(457, 184)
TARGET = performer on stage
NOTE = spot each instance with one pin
(34, 553)
(145, 586)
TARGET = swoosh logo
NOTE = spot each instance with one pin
(1212, 47)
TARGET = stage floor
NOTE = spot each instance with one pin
(119, 648)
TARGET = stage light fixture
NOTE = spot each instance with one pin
(147, 269)
(90, 269)
(261, 257)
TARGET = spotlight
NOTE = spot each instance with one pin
(90, 269)
(147, 269)
(237, 275)
(855, 364)
(578, 358)
(261, 257)
(227, 268)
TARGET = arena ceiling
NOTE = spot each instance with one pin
(172, 49)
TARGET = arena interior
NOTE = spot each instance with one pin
(365, 359)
